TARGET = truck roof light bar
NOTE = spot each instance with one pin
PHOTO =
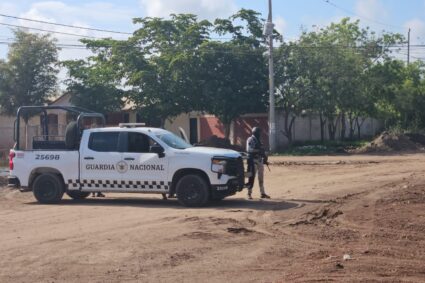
(131, 125)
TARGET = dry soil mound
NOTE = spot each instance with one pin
(387, 142)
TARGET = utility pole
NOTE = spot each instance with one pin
(268, 31)
(408, 47)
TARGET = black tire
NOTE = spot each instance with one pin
(192, 190)
(216, 199)
(77, 194)
(71, 135)
(48, 188)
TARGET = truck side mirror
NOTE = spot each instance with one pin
(156, 148)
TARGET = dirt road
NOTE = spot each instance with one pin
(370, 209)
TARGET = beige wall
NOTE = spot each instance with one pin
(7, 124)
(6, 130)
(307, 128)
(180, 121)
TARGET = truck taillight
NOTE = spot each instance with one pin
(11, 156)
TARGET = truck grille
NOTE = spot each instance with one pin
(235, 168)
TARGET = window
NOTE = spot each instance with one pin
(104, 141)
(174, 141)
(139, 142)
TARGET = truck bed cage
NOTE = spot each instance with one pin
(81, 112)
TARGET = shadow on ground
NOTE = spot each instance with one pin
(174, 204)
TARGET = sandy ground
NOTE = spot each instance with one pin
(369, 208)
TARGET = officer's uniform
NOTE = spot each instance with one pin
(256, 160)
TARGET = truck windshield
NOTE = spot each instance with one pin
(174, 141)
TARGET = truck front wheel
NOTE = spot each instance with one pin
(192, 190)
(48, 188)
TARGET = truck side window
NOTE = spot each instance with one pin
(104, 141)
(138, 142)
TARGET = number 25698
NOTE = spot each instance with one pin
(47, 156)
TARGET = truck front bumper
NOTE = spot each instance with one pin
(230, 188)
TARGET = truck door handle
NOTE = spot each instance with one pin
(129, 158)
(89, 158)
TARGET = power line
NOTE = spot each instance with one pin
(399, 46)
(50, 31)
(65, 25)
(58, 45)
(87, 28)
(83, 47)
(365, 18)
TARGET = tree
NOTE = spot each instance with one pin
(28, 76)
(151, 66)
(410, 100)
(400, 93)
(94, 84)
(293, 83)
(344, 52)
(165, 83)
(171, 66)
(234, 74)
(234, 81)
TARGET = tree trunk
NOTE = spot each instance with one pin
(162, 123)
(288, 126)
(359, 127)
(332, 128)
(291, 127)
(343, 126)
(352, 125)
(227, 130)
(322, 128)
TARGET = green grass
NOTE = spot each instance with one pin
(318, 148)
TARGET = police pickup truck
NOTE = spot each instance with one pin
(120, 159)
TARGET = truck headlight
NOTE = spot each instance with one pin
(218, 165)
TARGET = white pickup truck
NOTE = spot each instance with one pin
(125, 159)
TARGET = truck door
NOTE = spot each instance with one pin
(101, 164)
(147, 171)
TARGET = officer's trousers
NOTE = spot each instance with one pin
(255, 165)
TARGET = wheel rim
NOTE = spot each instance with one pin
(191, 191)
(46, 190)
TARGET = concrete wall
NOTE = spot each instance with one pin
(174, 124)
(242, 127)
(307, 128)
(6, 130)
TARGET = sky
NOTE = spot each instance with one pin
(289, 16)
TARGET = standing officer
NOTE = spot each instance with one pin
(256, 160)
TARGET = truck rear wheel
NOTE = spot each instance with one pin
(48, 188)
(192, 190)
(77, 194)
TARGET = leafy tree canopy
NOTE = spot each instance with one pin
(29, 74)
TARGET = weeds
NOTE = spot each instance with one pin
(318, 148)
